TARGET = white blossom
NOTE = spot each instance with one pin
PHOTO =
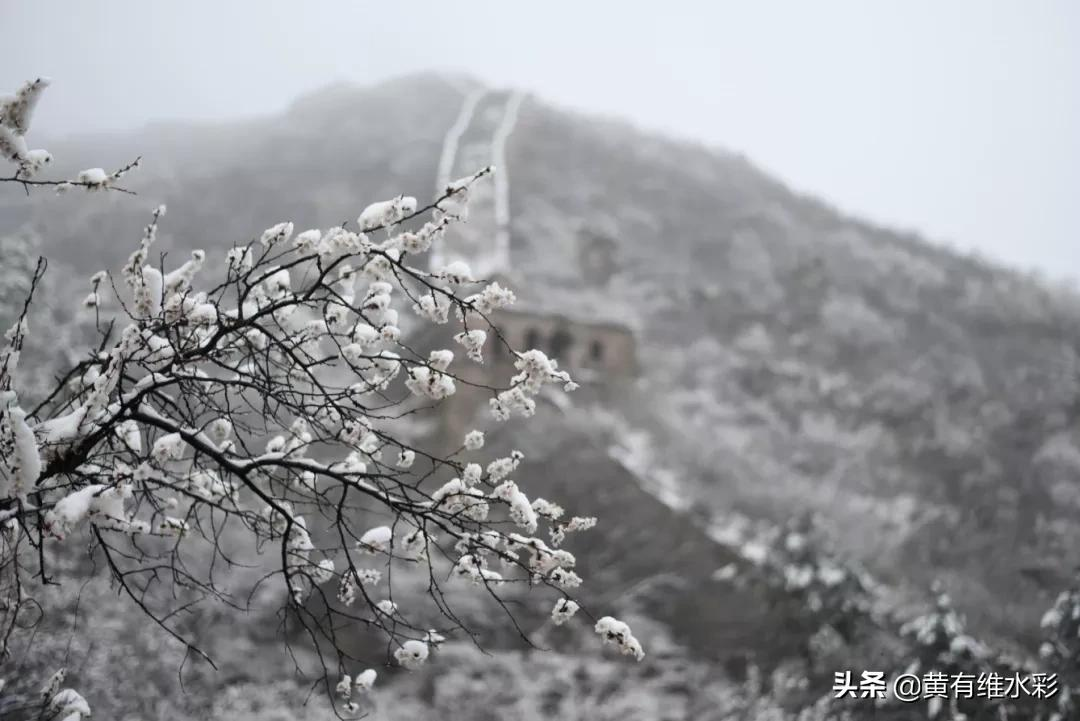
(365, 680)
(180, 279)
(406, 458)
(546, 509)
(471, 475)
(13, 147)
(433, 384)
(386, 212)
(414, 545)
(169, 447)
(473, 343)
(434, 306)
(521, 511)
(440, 359)
(563, 611)
(307, 239)
(472, 567)
(456, 272)
(412, 654)
(104, 504)
(376, 540)
(617, 633)
(500, 468)
(491, 298)
(17, 111)
(279, 233)
(129, 435)
(93, 176)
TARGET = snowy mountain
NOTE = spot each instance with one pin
(924, 403)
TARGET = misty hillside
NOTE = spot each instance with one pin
(926, 404)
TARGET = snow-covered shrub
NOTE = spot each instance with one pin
(793, 563)
(940, 643)
(1060, 650)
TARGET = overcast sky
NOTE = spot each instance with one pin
(956, 118)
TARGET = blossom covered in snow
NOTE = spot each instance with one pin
(456, 272)
(575, 524)
(428, 382)
(473, 342)
(376, 540)
(406, 458)
(563, 611)
(279, 233)
(490, 299)
(617, 633)
(412, 654)
(414, 545)
(536, 370)
(386, 212)
(104, 505)
(521, 510)
(169, 447)
(474, 440)
(365, 680)
(500, 468)
(16, 114)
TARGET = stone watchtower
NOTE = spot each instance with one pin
(567, 324)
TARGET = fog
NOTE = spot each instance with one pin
(957, 120)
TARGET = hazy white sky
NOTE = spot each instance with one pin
(959, 118)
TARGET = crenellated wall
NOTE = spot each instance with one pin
(600, 357)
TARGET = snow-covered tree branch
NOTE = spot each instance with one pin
(16, 112)
(269, 395)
